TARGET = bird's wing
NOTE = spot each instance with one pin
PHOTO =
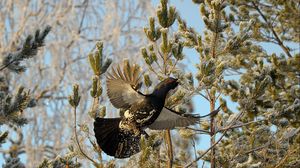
(122, 85)
(169, 119)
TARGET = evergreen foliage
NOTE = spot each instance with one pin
(13, 106)
(28, 50)
(13, 163)
(234, 67)
(266, 87)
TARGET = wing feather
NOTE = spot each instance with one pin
(122, 84)
(169, 119)
(127, 71)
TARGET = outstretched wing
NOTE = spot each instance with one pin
(169, 119)
(122, 84)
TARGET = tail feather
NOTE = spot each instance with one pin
(113, 141)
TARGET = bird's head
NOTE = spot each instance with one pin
(161, 90)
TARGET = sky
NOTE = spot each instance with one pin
(190, 12)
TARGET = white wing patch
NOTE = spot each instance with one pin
(128, 115)
(168, 120)
(143, 120)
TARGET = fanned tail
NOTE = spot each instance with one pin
(113, 141)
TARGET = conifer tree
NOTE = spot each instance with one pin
(13, 105)
(235, 67)
(265, 86)
(264, 132)
(76, 27)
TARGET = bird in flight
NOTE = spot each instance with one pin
(120, 137)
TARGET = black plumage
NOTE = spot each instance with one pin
(113, 140)
(120, 137)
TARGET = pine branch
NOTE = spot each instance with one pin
(212, 135)
(279, 41)
(74, 102)
(252, 150)
(29, 49)
(12, 107)
(13, 163)
(77, 140)
(283, 160)
(217, 142)
(239, 125)
(3, 136)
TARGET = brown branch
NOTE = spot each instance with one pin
(239, 125)
(208, 95)
(212, 136)
(6, 65)
(279, 41)
(203, 96)
(157, 49)
(212, 99)
(165, 59)
(173, 66)
(203, 164)
(212, 146)
(170, 148)
(77, 141)
(194, 147)
(85, 3)
(151, 69)
(43, 93)
(285, 158)
(216, 33)
(252, 150)
(159, 53)
(158, 65)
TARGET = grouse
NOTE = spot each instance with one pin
(120, 137)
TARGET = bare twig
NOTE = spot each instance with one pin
(252, 150)
(239, 125)
(6, 65)
(203, 164)
(85, 3)
(77, 141)
(285, 158)
(194, 147)
(279, 41)
(173, 66)
(203, 96)
(212, 135)
(212, 146)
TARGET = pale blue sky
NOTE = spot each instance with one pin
(190, 12)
